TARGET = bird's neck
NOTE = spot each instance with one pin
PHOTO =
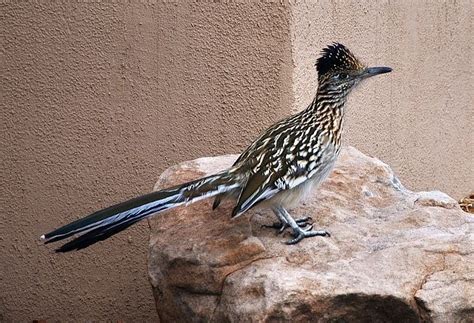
(326, 113)
(327, 105)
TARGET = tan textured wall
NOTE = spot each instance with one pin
(96, 100)
(419, 118)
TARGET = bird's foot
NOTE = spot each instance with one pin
(299, 234)
(281, 226)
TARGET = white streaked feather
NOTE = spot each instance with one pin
(151, 208)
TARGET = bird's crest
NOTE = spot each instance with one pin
(337, 57)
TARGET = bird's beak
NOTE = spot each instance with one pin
(371, 71)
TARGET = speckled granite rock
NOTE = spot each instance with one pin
(394, 255)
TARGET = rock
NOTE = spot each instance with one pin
(394, 255)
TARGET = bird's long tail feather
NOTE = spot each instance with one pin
(107, 222)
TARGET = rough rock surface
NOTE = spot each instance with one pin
(394, 255)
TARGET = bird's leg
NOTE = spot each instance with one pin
(298, 232)
(283, 224)
(280, 225)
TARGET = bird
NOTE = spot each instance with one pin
(277, 171)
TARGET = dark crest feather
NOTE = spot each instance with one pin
(336, 57)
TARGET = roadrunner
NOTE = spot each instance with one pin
(276, 171)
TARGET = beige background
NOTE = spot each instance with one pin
(97, 99)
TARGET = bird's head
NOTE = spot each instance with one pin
(339, 70)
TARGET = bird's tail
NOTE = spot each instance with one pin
(107, 222)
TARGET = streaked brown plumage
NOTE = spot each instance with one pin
(277, 170)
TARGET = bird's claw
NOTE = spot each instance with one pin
(282, 226)
(302, 233)
(302, 222)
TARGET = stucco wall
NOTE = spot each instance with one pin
(98, 98)
(418, 118)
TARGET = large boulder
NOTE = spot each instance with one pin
(393, 255)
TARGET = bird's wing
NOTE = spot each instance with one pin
(272, 173)
(265, 183)
(258, 189)
(265, 142)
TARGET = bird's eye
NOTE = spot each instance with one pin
(341, 76)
